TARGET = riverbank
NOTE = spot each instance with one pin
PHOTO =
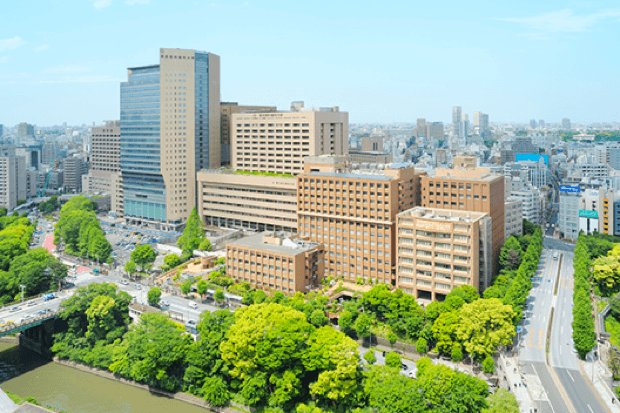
(184, 397)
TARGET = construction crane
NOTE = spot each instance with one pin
(47, 179)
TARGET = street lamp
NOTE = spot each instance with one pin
(22, 287)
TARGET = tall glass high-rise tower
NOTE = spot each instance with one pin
(170, 129)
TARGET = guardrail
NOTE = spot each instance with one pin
(25, 324)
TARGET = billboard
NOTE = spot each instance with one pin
(570, 188)
(588, 214)
(559, 150)
(531, 157)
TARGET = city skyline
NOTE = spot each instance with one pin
(512, 61)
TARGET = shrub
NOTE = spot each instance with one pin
(370, 357)
(488, 365)
(421, 345)
(393, 360)
(457, 353)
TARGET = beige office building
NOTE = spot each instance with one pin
(474, 190)
(353, 213)
(438, 250)
(226, 111)
(241, 201)
(162, 150)
(73, 168)
(514, 217)
(279, 141)
(274, 263)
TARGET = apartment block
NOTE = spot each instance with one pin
(530, 198)
(475, 190)
(279, 141)
(163, 148)
(50, 152)
(25, 129)
(13, 184)
(106, 147)
(353, 213)
(242, 201)
(513, 217)
(226, 111)
(369, 157)
(441, 249)
(273, 263)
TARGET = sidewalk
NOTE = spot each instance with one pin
(514, 377)
(600, 387)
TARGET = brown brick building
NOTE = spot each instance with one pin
(270, 262)
(469, 190)
(353, 213)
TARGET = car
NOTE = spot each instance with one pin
(31, 303)
(15, 309)
(404, 367)
(138, 286)
(49, 296)
(124, 282)
(193, 305)
(41, 312)
(555, 255)
(164, 303)
(411, 374)
(26, 317)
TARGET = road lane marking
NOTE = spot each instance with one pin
(590, 408)
(569, 375)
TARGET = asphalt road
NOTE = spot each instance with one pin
(561, 350)
(27, 308)
(581, 394)
(555, 244)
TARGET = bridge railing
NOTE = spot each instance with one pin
(13, 326)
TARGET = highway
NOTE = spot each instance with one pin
(31, 308)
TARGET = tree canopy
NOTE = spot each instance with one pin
(193, 234)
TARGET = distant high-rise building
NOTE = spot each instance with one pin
(434, 130)
(523, 144)
(464, 130)
(73, 169)
(533, 124)
(483, 125)
(566, 124)
(226, 111)
(13, 183)
(50, 152)
(279, 141)
(1, 130)
(421, 129)
(541, 123)
(163, 147)
(25, 129)
(456, 121)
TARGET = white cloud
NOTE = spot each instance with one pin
(10, 44)
(66, 70)
(99, 4)
(564, 21)
(41, 48)
(134, 2)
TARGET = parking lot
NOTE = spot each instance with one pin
(124, 241)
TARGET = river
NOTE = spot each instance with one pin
(66, 389)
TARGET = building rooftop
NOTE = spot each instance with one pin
(269, 241)
(446, 215)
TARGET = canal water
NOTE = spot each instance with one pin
(66, 389)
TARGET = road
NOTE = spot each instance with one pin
(30, 308)
(532, 336)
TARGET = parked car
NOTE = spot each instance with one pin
(124, 282)
(164, 303)
(138, 286)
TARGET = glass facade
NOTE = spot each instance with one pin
(143, 185)
(202, 110)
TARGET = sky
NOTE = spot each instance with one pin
(388, 61)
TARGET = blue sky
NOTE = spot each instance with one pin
(390, 61)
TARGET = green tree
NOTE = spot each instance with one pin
(215, 391)
(193, 233)
(484, 325)
(392, 338)
(363, 325)
(528, 227)
(345, 322)
(502, 402)
(318, 318)
(29, 270)
(488, 365)
(390, 392)
(510, 255)
(171, 261)
(392, 359)
(201, 287)
(219, 296)
(457, 353)
(186, 286)
(263, 347)
(154, 296)
(205, 245)
(421, 345)
(468, 293)
(153, 352)
(144, 256)
(444, 331)
(204, 358)
(130, 268)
